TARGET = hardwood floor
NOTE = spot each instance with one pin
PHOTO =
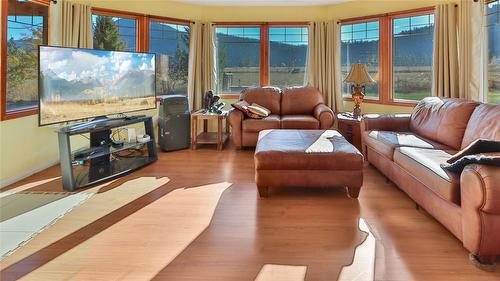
(315, 230)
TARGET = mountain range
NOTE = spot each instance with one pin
(408, 51)
(134, 83)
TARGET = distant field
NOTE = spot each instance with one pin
(242, 77)
(56, 112)
(494, 97)
(416, 78)
(414, 96)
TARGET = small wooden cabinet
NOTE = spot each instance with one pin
(349, 127)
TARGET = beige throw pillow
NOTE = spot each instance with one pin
(243, 107)
(258, 110)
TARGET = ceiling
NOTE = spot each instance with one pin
(246, 3)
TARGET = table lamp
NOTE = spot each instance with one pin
(358, 76)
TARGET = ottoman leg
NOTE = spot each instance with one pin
(353, 192)
(263, 191)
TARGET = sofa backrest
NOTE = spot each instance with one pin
(484, 123)
(268, 97)
(300, 100)
(442, 120)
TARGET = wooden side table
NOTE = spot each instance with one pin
(205, 137)
(349, 127)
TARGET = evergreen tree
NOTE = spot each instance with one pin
(107, 35)
(178, 64)
(22, 66)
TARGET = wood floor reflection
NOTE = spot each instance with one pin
(138, 246)
(293, 231)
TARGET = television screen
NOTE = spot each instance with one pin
(76, 84)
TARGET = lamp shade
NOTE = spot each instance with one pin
(358, 75)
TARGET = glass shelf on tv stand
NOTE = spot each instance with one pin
(101, 163)
(96, 152)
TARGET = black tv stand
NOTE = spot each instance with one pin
(101, 161)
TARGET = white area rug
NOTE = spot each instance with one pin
(97, 205)
(18, 230)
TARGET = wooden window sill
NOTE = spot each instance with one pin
(229, 95)
(19, 113)
(390, 102)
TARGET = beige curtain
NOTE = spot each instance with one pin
(75, 29)
(445, 55)
(472, 49)
(323, 63)
(201, 73)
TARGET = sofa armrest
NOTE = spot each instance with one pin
(325, 116)
(480, 202)
(235, 120)
(385, 122)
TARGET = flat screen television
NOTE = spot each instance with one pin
(75, 84)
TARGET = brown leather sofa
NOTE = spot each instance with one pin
(408, 149)
(292, 108)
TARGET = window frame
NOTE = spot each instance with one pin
(386, 91)
(147, 27)
(142, 45)
(381, 53)
(486, 91)
(4, 115)
(140, 40)
(284, 25)
(264, 61)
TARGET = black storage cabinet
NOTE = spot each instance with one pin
(174, 121)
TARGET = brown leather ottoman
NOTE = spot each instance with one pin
(307, 158)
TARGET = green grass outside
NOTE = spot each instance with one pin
(494, 97)
(412, 96)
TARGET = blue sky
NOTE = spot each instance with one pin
(20, 26)
(104, 66)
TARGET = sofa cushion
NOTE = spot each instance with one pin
(256, 125)
(268, 97)
(442, 120)
(424, 165)
(300, 100)
(385, 142)
(299, 122)
(484, 123)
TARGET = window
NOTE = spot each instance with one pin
(360, 44)
(238, 58)
(260, 55)
(493, 31)
(26, 29)
(170, 43)
(288, 55)
(114, 33)
(397, 51)
(412, 43)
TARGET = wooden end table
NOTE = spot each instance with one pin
(205, 137)
(350, 127)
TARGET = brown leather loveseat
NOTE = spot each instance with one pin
(292, 108)
(409, 149)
